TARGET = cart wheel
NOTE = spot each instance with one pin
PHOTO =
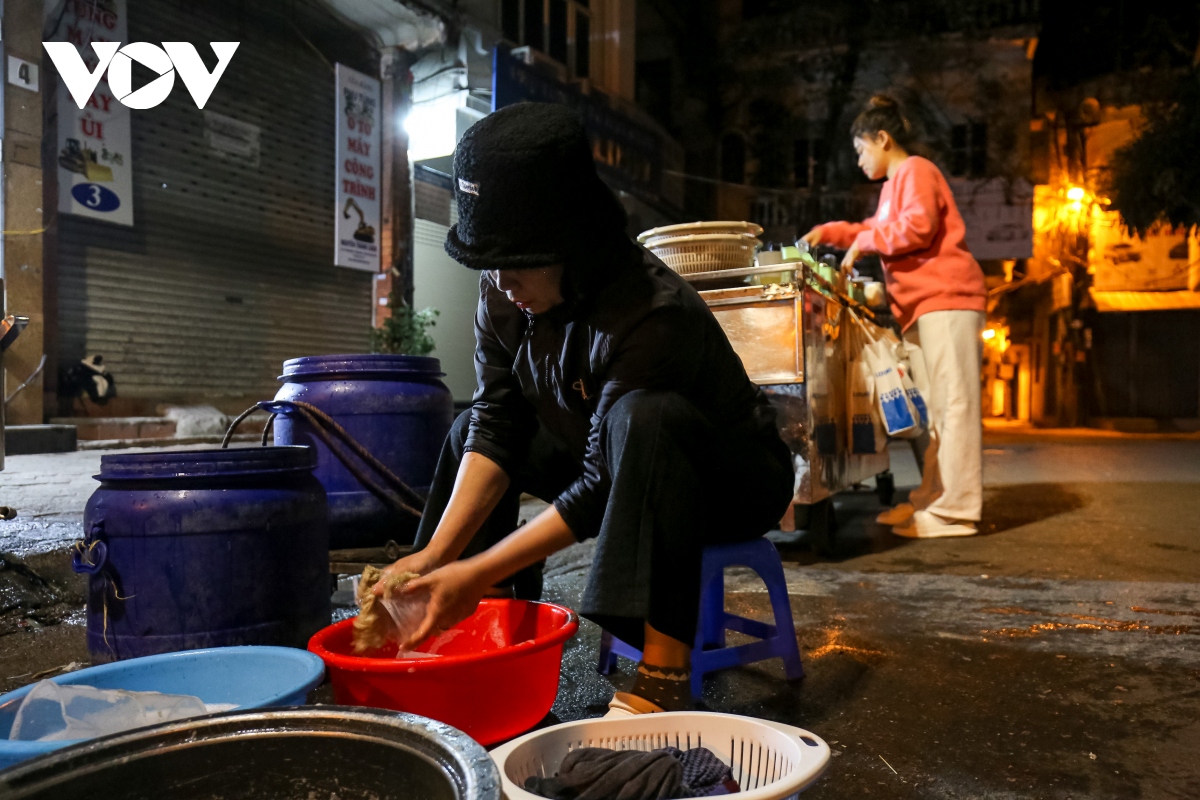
(822, 527)
(885, 487)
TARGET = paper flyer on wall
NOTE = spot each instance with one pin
(359, 192)
(94, 155)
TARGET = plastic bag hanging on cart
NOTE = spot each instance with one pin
(867, 432)
(915, 399)
(900, 416)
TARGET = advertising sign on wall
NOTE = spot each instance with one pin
(233, 140)
(95, 164)
(359, 195)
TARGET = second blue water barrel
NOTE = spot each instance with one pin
(396, 407)
(204, 548)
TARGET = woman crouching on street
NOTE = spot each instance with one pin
(938, 295)
(605, 387)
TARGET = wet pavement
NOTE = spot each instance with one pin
(50, 492)
(1055, 656)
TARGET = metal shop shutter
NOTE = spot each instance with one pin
(229, 268)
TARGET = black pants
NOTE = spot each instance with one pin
(677, 484)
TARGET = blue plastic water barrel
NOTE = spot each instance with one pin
(394, 406)
(205, 548)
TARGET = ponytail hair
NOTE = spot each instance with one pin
(884, 113)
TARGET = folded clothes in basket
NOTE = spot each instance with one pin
(592, 773)
(704, 774)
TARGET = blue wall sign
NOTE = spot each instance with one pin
(96, 197)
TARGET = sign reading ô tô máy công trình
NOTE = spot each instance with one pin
(359, 192)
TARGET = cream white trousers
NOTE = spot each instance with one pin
(945, 350)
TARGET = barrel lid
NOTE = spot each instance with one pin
(376, 364)
(207, 463)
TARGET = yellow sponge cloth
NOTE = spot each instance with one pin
(373, 626)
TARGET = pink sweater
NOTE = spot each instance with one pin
(920, 237)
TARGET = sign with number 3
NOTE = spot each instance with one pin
(94, 155)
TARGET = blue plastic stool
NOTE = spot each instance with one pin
(710, 653)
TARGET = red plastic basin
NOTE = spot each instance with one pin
(496, 678)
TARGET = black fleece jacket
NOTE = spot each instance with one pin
(644, 328)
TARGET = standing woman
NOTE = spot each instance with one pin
(938, 295)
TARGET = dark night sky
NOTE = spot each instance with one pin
(1081, 40)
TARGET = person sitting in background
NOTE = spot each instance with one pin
(939, 297)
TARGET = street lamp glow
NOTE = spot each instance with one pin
(432, 127)
(1075, 193)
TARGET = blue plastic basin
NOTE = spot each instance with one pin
(251, 677)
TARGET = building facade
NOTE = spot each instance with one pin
(220, 262)
(798, 74)
(191, 249)
(495, 53)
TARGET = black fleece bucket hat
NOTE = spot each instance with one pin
(527, 190)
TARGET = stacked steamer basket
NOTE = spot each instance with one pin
(698, 247)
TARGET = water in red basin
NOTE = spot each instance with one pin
(496, 674)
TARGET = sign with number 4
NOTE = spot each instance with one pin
(23, 73)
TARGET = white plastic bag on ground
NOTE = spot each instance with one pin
(53, 712)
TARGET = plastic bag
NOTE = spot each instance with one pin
(825, 432)
(900, 403)
(53, 712)
(394, 616)
(407, 612)
(912, 395)
(890, 396)
(915, 400)
(867, 432)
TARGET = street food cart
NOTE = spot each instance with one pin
(792, 337)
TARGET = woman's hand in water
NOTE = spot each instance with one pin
(454, 593)
(456, 588)
(813, 237)
(422, 562)
(849, 259)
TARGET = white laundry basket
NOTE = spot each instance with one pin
(769, 760)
